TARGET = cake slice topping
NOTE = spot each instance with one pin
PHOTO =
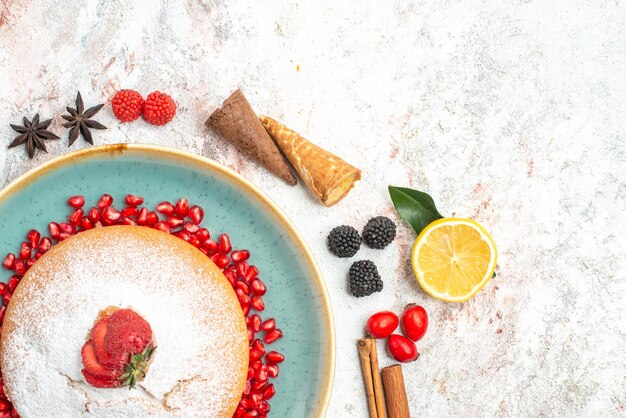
(118, 350)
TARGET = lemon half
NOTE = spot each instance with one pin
(453, 258)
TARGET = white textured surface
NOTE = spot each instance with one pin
(513, 113)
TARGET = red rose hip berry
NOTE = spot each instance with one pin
(402, 349)
(159, 108)
(127, 105)
(414, 322)
(382, 324)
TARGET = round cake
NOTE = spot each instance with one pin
(200, 359)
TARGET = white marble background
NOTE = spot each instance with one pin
(511, 112)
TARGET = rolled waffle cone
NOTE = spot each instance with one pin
(329, 177)
(236, 122)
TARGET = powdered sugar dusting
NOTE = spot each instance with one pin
(198, 328)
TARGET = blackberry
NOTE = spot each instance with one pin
(344, 241)
(379, 232)
(364, 278)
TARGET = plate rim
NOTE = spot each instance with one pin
(237, 179)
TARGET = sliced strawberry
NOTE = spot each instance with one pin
(100, 382)
(97, 335)
(127, 333)
(91, 363)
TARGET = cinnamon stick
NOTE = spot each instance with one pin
(378, 386)
(365, 350)
(395, 392)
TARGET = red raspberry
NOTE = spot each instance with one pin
(159, 108)
(127, 105)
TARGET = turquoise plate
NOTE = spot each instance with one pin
(297, 295)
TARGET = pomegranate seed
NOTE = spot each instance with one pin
(128, 212)
(253, 413)
(191, 227)
(33, 236)
(45, 244)
(251, 273)
(12, 283)
(269, 325)
(246, 403)
(258, 386)
(240, 255)
(162, 226)
(105, 200)
(203, 234)
(152, 218)
(54, 229)
(246, 311)
(247, 387)
(19, 267)
(256, 398)
(3, 288)
(196, 214)
(269, 392)
(85, 224)
(165, 208)
(67, 228)
(174, 221)
(182, 207)
(6, 298)
(273, 370)
(264, 407)
(242, 269)
(230, 275)
(76, 201)
(195, 241)
(9, 261)
(239, 412)
(2, 311)
(5, 405)
(257, 303)
(250, 332)
(225, 246)
(250, 373)
(258, 344)
(184, 235)
(211, 246)
(273, 336)
(220, 260)
(258, 287)
(255, 323)
(142, 215)
(25, 250)
(128, 221)
(111, 214)
(274, 357)
(243, 286)
(133, 200)
(75, 217)
(30, 262)
(261, 374)
(255, 355)
(244, 299)
(63, 236)
(94, 215)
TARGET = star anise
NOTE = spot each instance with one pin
(80, 121)
(33, 134)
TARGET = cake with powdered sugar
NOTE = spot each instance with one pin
(124, 321)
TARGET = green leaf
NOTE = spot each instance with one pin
(415, 207)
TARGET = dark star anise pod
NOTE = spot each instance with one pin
(33, 133)
(80, 121)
